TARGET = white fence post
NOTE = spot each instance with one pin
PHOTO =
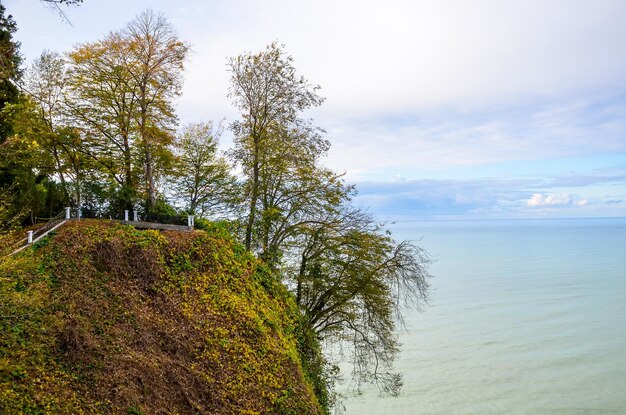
(190, 222)
(125, 216)
(67, 213)
(29, 237)
(135, 218)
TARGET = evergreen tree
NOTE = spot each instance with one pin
(10, 73)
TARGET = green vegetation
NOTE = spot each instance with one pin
(203, 180)
(104, 318)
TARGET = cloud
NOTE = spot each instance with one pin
(551, 200)
(583, 202)
(442, 198)
(539, 200)
(376, 57)
(585, 180)
(432, 84)
(388, 56)
(481, 198)
(530, 132)
(373, 57)
(408, 83)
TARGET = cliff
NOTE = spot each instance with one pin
(104, 318)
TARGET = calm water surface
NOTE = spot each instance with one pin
(527, 317)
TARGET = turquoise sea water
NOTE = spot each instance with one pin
(527, 317)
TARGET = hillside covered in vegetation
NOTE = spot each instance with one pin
(104, 318)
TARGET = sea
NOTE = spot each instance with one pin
(526, 317)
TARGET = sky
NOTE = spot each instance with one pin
(443, 109)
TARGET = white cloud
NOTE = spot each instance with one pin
(550, 200)
(494, 199)
(543, 131)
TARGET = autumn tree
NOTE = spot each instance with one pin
(26, 167)
(28, 162)
(352, 281)
(295, 191)
(122, 89)
(202, 178)
(154, 63)
(270, 96)
(46, 85)
(102, 104)
(349, 277)
(21, 179)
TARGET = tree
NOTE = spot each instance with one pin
(349, 277)
(10, 72)
(26, 168)
(46, 84)
(202, 178)
(270, 95)
(351, 280)
(56, 5)
(122, 92)
(102, 104)
(27, 162)
(155, 64)
(21, 179)
(295, 192)
(10, 61)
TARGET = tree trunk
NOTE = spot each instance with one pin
(128, 174)
(57, 159)
(254, 196)
(300, 278)
(150, 186)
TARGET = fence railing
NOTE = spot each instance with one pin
(169, 219)
(53, 222)
(15, 246)
(135, 219)
(178, 220)
(34, 235)
(136, 216)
